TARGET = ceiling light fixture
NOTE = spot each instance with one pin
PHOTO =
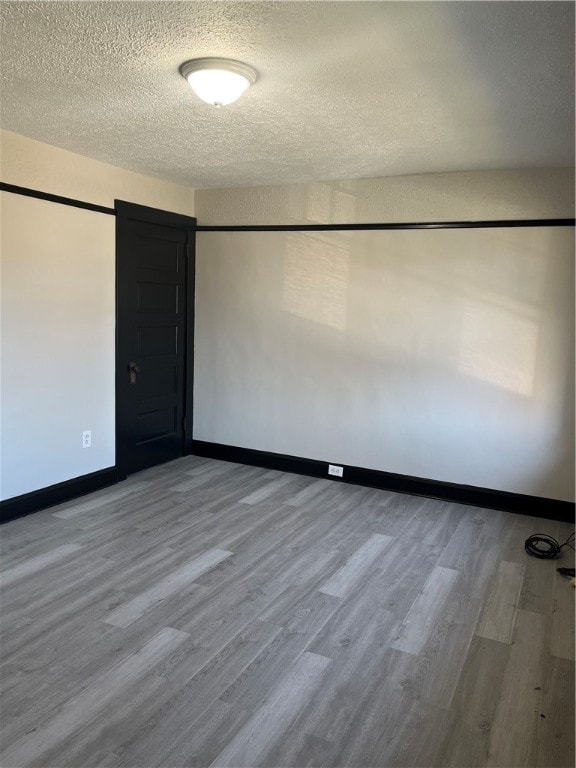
(218, 81)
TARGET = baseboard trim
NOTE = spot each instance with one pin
(551, 509)
(19, 506)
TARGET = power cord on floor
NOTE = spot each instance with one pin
(546, 547)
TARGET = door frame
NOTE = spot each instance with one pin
(126, 211)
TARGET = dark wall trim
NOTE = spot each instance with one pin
(56, 494)
(55, 198)
(552, 509)
(131, 210)
(415, 225)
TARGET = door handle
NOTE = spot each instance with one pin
(133, 369)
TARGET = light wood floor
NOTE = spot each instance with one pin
(206, 613)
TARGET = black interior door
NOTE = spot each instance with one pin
(155, 270)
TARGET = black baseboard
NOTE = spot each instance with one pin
(551, 509)
(56, 494)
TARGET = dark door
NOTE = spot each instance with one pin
(155, 273)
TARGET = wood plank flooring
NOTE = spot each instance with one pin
(204, 613)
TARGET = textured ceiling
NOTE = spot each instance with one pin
(346, 89)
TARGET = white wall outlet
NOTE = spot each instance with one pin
(334, 469)
(87, 438)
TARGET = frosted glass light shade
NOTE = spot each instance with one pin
(218, 81)
(216, 86)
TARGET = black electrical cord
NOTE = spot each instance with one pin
(546, 547)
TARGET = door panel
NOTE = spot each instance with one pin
(152, 286)
(161, 298)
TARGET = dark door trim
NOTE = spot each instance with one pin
(126, 211)
(190, 317)
(135, 212)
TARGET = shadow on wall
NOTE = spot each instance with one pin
(406, 295)
(417, 312)
(316, 278)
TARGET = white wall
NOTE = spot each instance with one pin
(466, 196)
(58, 320)
(58, 311)
(445, 354)
(33, 164)
(271, 305)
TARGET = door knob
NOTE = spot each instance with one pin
(133, 369)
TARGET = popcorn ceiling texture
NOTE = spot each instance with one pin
(346, 89)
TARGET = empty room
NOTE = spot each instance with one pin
(287, 384)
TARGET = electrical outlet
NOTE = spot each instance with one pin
(87, 438)
(334, 469)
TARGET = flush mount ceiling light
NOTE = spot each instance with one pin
(218, 81)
